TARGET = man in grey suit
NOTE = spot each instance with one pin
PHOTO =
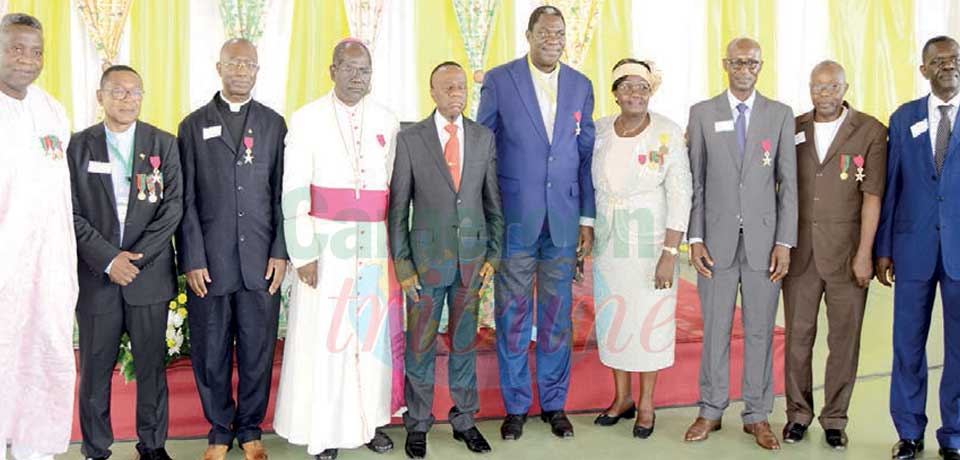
(445, 164)
(742, 225)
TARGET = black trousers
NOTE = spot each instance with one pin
(249, 319)
(99, 344)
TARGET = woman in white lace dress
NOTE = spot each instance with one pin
(643, 188)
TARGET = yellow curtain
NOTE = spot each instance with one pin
(611, 42)
(874, 42)
(502, 45)
(55, 16)
(729, 19)
(159, 35)
(316, 29)
(438, 32)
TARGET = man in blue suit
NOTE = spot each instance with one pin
(919, 234)
(541, 114)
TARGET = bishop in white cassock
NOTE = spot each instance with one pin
(342, 365)
(38, 277)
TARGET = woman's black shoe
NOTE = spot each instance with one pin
(606, 420)
(643, 432)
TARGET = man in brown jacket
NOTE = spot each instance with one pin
(841, 167)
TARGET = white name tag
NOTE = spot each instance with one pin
(800, 138)
(919, 128)
(721, 126)
(99, 167)
(211, 132)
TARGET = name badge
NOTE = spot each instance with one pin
(800, 138)
(721, 126)
(211, 132)
(99, 167)
(919, 128)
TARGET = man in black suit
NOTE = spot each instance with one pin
(230, 246)
(125, 178)
(446, 164)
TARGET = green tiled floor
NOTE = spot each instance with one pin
(871, 431)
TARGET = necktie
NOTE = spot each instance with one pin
(943, 138)
(741, 127)
(451, 153)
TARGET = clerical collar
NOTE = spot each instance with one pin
(234, 106)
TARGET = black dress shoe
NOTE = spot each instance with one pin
(329, 454)
(794, 432)
(512, 427)
(644, 432)
(907, 449)
(609, 420)
(381, 443)
(152, 454)
(473, 439)
(836, 438)
(950, 454)
(416, 445)
(560, 425)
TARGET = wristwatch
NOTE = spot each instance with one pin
(672, 251)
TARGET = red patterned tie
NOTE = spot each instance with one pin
(451, 153)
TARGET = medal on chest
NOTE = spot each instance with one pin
(858, 162)
(248, 144)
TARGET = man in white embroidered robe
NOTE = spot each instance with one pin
(38, 279)
(340, 352)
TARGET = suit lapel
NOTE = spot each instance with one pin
(844, 132)
(755, 129)
(428, 134)
(471, 138)
(215, 119)
(926, 146)
(98, 152)
(253, 127)
(723, 113)
(520, 72)
(142, 151)
(809, 145)
(565, 111)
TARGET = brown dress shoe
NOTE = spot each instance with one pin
(763, 434)
(216, 452)
(253, 450)
(701, 429)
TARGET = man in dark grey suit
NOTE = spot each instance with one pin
(125, 176)
(445, 164)
(742, 225)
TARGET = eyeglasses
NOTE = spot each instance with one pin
(943, 61)
(234, 66)
(544, 35)
(351, 71)
(739, 64)
(829, 88)
(120, 94)
(631, 87)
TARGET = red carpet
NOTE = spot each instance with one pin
(591, 387)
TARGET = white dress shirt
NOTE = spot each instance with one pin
(121, 179)
(442, 123)
(933, 116)
(825, 132)
(734, 102)
(545, 86)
